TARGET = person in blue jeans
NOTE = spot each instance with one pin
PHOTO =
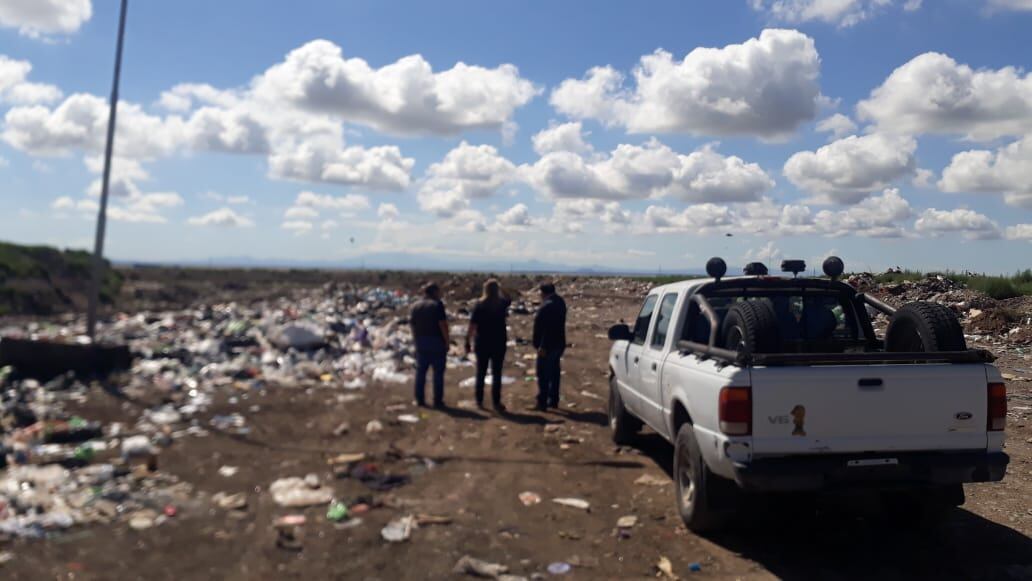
(550, 342)
(429, 323)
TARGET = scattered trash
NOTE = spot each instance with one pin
(290, 520)
(337, 512)
(298, 492)
(695, 567)
(374, 427)
(573, 503)
(626, 522)
(665, 568)
(371, 476)
(559, 568)
(142, 520)
(230, 501)
(530, 498)
(488, 380)
(469, 566)
(650, 480)
(341, 429)
(347, 458)
(289, 534)
(298, 336)
(398, 530)
(228, 471)
(408, 419)
(430, 519)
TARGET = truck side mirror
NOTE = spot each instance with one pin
(620, 332)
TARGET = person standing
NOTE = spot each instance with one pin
(550, 342)
(429, 323)
(487, 331)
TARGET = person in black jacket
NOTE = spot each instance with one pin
(487, 330)
(550, 342)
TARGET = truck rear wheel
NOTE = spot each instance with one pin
(922, 327)
(622, 425)
(751, 326)
(695, 484)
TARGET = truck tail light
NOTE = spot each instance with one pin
(997, 417)
(735, 411)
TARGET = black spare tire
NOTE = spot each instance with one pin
(751, 326)
(921, 327)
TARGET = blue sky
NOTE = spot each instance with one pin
(890, 132)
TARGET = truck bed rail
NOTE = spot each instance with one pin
(745, 359)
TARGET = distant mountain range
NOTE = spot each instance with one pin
(419, 262)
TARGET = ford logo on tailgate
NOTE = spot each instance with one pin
(964, 415)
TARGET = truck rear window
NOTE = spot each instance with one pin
(809, 322)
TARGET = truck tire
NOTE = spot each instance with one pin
(694, 483)
(623, 427)
(751, 326)
(922, 327)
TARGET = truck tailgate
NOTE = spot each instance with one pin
(868, 408)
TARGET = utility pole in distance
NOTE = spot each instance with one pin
(98, 243)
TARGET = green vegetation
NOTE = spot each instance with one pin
(998, 287)
(43, 279)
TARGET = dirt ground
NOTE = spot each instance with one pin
(481, 462)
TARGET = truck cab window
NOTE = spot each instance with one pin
(666, 313)
(641, 325)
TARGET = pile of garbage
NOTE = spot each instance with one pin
(985, 319)
(62, 470)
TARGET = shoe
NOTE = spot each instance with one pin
(500, 408)
(439, 405)
(480, 405)
(418, 403)
(537, 408)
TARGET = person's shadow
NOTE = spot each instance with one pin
(462, 414)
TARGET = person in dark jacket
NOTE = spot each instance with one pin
(550, 342)
(429, 323)
(487, 331)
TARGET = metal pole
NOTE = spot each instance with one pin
(98, 244)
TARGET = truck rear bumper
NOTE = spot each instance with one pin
(888, 470)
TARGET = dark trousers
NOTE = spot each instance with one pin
(493, 356)
(548, 372)
(430, 352)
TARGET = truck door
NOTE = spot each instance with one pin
(651, 362)
(634, 351)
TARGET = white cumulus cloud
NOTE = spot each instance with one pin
(932, 93)
(847, 170)
(35, 18)
(1008, 170)
(766, 86)
(842, 13)
(404, 97)
(649, 170)
(223, 217)
(970, 224)
(466, 172)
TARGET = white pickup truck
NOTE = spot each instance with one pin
(768, 384)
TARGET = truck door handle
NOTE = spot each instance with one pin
(870, 383)
(635, 359)
(653, 367)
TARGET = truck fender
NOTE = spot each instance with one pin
(677, 415)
